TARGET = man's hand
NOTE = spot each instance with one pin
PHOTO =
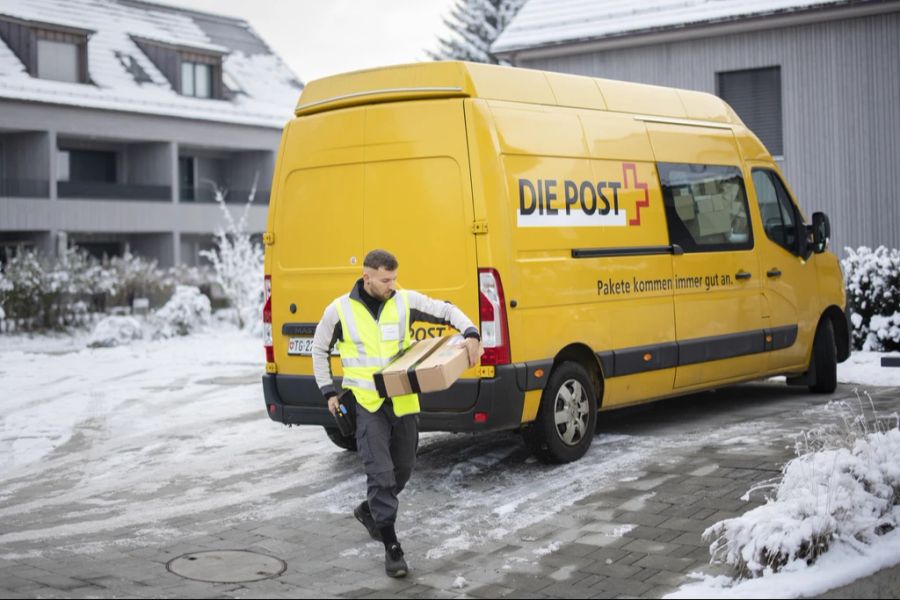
(473, 345)
(333, 405)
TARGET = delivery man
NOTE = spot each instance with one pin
(370, 326)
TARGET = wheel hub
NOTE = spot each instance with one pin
(571, 412)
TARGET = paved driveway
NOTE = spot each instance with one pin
(102, 517)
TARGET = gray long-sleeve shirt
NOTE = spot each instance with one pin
(421, 308)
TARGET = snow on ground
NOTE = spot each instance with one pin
(865, 368)
(844, 563)
(96, 440)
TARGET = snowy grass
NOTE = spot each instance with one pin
(844, 486)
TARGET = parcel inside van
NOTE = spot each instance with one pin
(620, 243)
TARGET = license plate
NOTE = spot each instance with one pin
(300, 345)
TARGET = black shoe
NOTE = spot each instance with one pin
(394, 564)
(364, 516)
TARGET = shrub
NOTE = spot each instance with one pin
(185, 312)
(844, 485)
(873, 288)
(138, 277)
(238, 265)
(114, 331)
(25, 275)
(38, 292)
(884, 333)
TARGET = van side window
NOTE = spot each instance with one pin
(706, 207)
(778, 214)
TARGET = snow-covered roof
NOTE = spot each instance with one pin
(265, 93)
(554, 22)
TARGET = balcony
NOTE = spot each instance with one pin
(207, 195)
(100, 190)
(203, 170)
(24, 188)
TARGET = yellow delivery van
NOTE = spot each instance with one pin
(620, 243)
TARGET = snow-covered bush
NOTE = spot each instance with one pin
(844, 485)
(89, 282)
(237, 263)
(884, 333)
(197, 276)
(115, 331)
(44, 293)
(25, 274)
(138, 277)
(40, 292)
(873, 288)
(6, 287)
(187, 311)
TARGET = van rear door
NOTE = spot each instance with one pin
(418, 205)
(392, 176)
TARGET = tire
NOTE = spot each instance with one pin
(564, 428)
(823, 362)
(347, 443)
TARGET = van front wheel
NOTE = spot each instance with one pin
(564, 428)
(824, 359)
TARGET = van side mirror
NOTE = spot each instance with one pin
(821, 230)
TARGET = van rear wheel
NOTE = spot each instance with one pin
(564, 428)
(345, 442)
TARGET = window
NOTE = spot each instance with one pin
(57, 60)
(87, 165)
(706, 207)
(48, 51)
(186, 177)
(196, 79)
(194, 72)
(780, 218)
(755, 95)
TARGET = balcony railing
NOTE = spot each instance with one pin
(24, 188)
(207, 195)
(112, 191)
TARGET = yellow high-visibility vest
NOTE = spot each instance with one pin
(369, 345)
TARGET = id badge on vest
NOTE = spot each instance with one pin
(390, 332)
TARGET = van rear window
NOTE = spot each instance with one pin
(706, 207)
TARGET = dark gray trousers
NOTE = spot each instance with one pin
(387, 445)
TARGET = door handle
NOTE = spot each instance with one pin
(743, 275)
(773, 273)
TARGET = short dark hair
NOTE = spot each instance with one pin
(377, 259)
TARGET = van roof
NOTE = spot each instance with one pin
(448, 79)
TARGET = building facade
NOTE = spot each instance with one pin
(119, 119)
(817, 81)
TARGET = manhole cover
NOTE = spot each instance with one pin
(226, 566)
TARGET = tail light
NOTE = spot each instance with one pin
(492, 309)
(267, 322)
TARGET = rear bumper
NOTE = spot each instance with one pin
(296, 400)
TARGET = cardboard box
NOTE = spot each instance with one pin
(684, 206)
(431, 365)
